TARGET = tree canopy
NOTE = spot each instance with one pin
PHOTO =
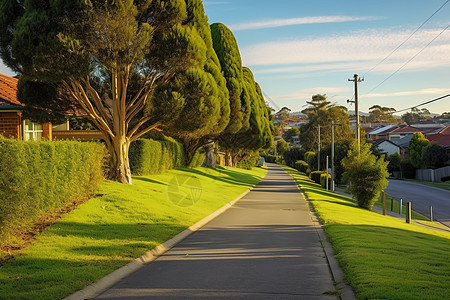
(106, 58)
(417, 147)
(382, 114)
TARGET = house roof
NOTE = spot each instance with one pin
(289, 120)
(378, 142)
(404, 141)
(413, 129)
(442, 139)
(384, 129)
(8, 90)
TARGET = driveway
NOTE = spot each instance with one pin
(421, 197)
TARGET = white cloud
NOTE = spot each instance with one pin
(359, 51)
(297, 21)
(429, 91)
(305, 94)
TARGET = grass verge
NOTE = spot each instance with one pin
(109, 231)
(442, 185)
(382, 257)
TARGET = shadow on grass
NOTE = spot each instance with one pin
(146, 179)
(232, 177)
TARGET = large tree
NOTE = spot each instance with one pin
(200, 91)
(104, 56)
(321, 113)
(417, 146)
(382, 114)
(227, 50)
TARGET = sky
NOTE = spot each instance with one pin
(299, 48)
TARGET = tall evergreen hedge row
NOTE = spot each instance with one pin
(37, 178)
(148, 156)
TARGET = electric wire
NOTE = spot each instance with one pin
(398, 47)
(426, 46)
(422, 104)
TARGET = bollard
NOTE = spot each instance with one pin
(431, 213)
(408, 212)
(392, 203)
(400, 206)
(384, 202)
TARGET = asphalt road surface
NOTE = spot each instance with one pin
(421, 197)
(264, 247)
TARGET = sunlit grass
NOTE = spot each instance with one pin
(107, 232)
(382, 257)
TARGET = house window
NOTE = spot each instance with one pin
(32, 131)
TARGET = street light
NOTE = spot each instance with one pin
(332, 153)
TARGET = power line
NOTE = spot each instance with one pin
(409, 59)
(424, 103)
(398, 47)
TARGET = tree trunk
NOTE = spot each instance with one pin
(210, 159)
(119, 163)
(228, 159)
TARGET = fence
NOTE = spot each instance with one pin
(433, 175)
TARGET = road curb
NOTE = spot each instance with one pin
(109, 280)
(346, 291)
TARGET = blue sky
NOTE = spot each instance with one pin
(298, 48)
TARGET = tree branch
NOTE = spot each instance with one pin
(144, 131)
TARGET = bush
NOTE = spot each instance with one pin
(394, 163)
(323, 180)
(292, 155)
(315, 176)
(309, 156)
(408, 170)
(435, 156)
(445, 178)
(270, 158)
(366, 173)
(302, 166)
(248, 161)
(149, 156)
(37, 178)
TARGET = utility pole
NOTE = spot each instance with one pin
(357, 79)
(318, 151)
(332, 153)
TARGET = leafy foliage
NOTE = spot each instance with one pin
(366, 174)
(382, 114)
(435, 156)
(417, 147)
(282, 146)
(37, 178)
(394, 163)
(292, 155)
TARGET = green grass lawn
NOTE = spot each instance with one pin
(109, 231)
(382, 257)
(442, 185)
(396, 205)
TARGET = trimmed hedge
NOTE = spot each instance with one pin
(315, 176)
(323, 182)
(302, 166)
(149, 156)
(37, 178)
(270, 158)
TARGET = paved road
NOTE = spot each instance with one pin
(264, 247)
(422, 197)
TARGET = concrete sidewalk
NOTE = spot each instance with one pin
(264, 247)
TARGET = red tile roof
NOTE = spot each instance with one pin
(442, 139)
(412, 129)
(8, 90)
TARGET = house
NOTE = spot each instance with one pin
(293, 122)
(387, 147)
(14, 125)
(382, 132)
(442, 137)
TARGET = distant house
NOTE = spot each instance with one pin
(442, 137)
(293, 122)
(14, 125)
(387, 147)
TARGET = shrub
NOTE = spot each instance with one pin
(302, 166)
(366, 173)
(408, 170)
(445, 178)
(394, 163)
(315, 176)
(248, 161)
(309, 156)
(149, 156)
(435, 156)
(417, 146)
(292, 155)
(270, 158)
(37, 178)
(323, 182)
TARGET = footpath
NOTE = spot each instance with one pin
(266, 246)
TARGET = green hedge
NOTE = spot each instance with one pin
(315, 176)
(149, 156)
(302, 166)
(37, 178)
(270, 158)
(323, 181)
